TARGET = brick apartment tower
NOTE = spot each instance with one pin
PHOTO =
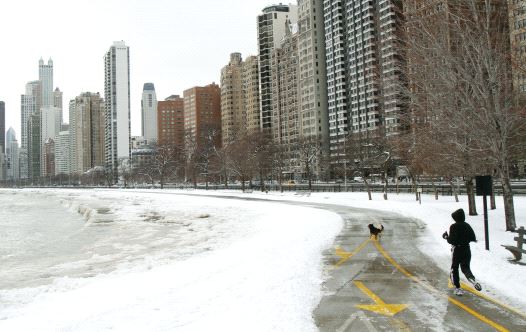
(202, 113)
(170, 121)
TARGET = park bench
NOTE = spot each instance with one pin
(248, 191)
(518, 250)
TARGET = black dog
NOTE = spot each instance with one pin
(375, 231)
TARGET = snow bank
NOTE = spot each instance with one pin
(490, 267)
(261, 271)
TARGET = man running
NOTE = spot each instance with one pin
(460, 235)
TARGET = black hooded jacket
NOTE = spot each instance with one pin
(460, 233)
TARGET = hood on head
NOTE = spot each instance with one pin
(458, 215)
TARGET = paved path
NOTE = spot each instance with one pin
(389, 285)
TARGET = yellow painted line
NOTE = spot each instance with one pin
(492, 300)
(345, 256)
(380, 307)
(434, 290)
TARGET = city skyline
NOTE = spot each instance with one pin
(161, 49)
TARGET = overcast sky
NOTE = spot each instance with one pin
(174, 44)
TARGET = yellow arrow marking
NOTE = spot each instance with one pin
(345, 256)
(459, 304)
(380, 307)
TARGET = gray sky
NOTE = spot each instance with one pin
(174, 44)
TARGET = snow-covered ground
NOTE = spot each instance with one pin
(162, 262)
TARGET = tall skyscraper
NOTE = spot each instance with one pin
(2, 142)
(250, 81)
(48, 158)
(2, 126)
(233, 118)
(59, 107)
(271, 30)
(312, 73)
(517, 23)
(149, 112)
(86, 132)
(23, 163)
(285, 102)
(364, 69)
(45, 76)
(62, 153)
(34, 146)
(12, 155)
(49, 128)
(170, 120)
(286, 126)
(30, 102)
(117, 109)
(202, 113)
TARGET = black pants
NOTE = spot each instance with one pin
(462, 257)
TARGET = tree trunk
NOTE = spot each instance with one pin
(242, 183)
(308, 175)
(280, 179)
(507, 194)
(385, 185)
(261, 181)
(368, 189)
(493, 205)
(453, 190)
(471, 197)
(434, 188)
(414, 184)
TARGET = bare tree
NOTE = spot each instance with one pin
(461, 87)
(166, 160)
(308, 149)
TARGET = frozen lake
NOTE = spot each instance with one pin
(124, 260)
(46, 235)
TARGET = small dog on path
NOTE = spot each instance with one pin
(375, 232)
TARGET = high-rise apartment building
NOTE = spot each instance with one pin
(34, 146)
(240, 113)
(12, 156)
(59, 107)
(49, 128)
(86, 131)
(23, 163)
(2, 126)
(233, 118)
(170, 121)
(149, 112)
(2, 142)
(364, 69)
(517, 23)
(202, 114)
(271, 30)
(45, 76)
(285, 78)
(286, 125)
(30, 103)
(62, 153)
(312, 71)
(48, 158)
(117, 109)
(250, 81)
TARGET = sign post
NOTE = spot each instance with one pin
(484, 188)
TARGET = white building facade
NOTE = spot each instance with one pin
(12, 156)
(149, 112)
(117, 106)
(62, 153)
(271, 30)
